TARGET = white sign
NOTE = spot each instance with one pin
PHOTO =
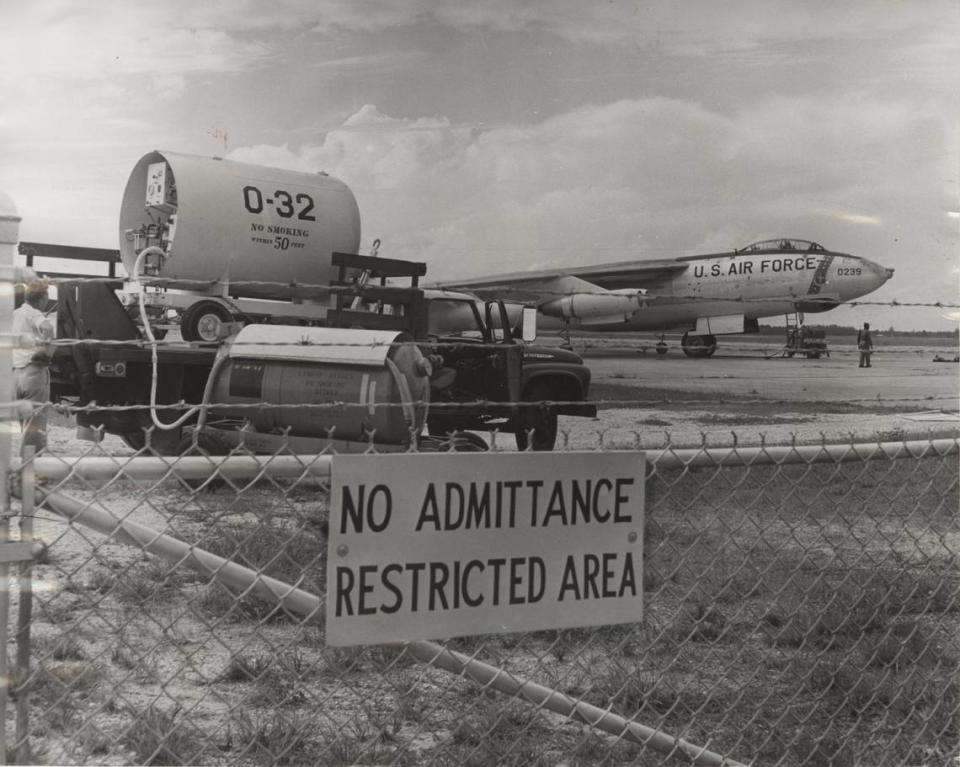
(428, 545)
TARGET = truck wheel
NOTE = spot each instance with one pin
(160, 442)
(455, 441)
(438, 426)
(538, 420)
(136, 441)
(202, 320)
(202, 446)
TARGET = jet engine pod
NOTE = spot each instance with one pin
(611, 306)
(345, 384)
(249, 228)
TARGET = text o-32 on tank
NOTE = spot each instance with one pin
(282, 203)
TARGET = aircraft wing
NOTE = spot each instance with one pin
(545, 285)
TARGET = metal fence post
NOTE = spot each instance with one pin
(21, 744)
(9, 234)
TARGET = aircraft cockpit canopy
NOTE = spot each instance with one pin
(782, 243)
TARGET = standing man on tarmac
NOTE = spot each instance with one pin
(32, 332)
(865, 345)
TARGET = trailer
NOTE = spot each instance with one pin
(801, 341)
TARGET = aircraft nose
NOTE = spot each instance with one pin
(889, 273)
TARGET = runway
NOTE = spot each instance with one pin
(900, 377)
(742, 394)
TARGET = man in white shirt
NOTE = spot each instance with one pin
(33, 331)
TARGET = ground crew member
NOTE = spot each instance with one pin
(865, 345)
(32, 332)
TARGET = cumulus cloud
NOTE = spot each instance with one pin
(629, 179)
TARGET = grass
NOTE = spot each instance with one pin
(360, 742)
(157, 738)
(500, 732)
(270, 548)
(59, 691)
(277, 678)
(793, 615)
(277, 738)
(63, 646)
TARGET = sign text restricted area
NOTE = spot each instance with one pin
(436, 545)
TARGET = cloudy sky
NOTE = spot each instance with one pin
(499, 135)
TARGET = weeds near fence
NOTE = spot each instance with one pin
(156, 737)
(794, 615)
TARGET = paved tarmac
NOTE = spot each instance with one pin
(900, 377)
(744, 395)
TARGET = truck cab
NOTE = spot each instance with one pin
(488, 375)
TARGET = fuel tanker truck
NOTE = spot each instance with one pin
(289, 337)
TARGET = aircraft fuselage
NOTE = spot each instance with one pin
(754, 282)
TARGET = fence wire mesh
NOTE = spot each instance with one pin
(799, 611)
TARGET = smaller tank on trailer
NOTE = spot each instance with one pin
(226, 232)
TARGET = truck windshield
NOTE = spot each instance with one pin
(452, 317)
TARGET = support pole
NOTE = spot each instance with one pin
(106, 468)
(21, 743)
(497, 679)
(9, 234)
(240, 579)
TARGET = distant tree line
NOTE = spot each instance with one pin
(842, 330)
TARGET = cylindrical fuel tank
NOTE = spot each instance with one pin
(233, 224)
(343, 384)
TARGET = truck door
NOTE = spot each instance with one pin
(504, 356)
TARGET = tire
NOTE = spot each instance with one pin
(161, 442)
(698, 346)
(202, 320)
(540, 420)
(440, 426)
(455, 441)
(202, 447)
(661, 347)
(136, 441)
(445, 436)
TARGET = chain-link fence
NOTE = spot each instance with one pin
(165, 595)
(802, 607)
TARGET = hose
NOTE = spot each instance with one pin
(154, 361)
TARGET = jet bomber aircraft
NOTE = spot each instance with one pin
(707, 295)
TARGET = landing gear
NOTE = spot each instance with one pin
(698, 346)
(661, 346)
(565, 336)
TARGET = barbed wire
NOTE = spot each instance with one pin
(502, 291)
(763, 344)
(473, 405)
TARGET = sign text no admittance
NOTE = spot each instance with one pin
(437, 545)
